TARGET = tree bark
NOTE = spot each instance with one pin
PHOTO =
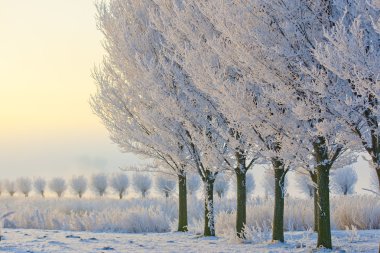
(322, 172)
(378, 177)
(279, 194)
(313, 177)
(324, 229)
(182, 203)
(120, 195)
(316, 210)
(209, 226)
(241, 199)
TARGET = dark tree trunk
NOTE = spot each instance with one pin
(120, 195)
(182, 203)
(313, 176)
(279, 194)
(322, 172)
(378, 176)
(241, 199)
(324, 229)
(316, 210)
(209, 226)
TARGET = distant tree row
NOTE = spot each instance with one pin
(343, 182)
(98, 183)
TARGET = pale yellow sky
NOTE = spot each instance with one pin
(47, 51)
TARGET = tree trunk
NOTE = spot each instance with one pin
(279, 194)
(120, 195)
(209, 228)
(241, 199)
(378, 177)
(324, 229)
(322, 172)
(182, 203)
(313, 177)
(316, 210)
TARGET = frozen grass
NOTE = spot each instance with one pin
(160, 214)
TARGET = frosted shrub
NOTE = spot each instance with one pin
(79, 185)
(1, 187)
(305, 184)
(155, 215)
(250, 183)
(142, 183)
(58, 186)
(362, 212)
(166, 185)
(193, 182)
(119, 183)
(221, 185)
(10, 187)
(39, 185)
(99, 183)
(24, 185)
(344, 180)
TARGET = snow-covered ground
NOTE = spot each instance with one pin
(30, 240)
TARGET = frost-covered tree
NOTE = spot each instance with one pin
(1, 187)
(99, 183)
(221, 185)
(24, 185)
(142, 183)
(250, 181)
(350, 50)
(39, 185)
(344, 180)
(174, 122)
(305, 183)
(78, 185)
(119, 183)
(165, 184)
(10, 187)
(58, 185)
(193, 183)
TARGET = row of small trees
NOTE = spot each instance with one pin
(99, 183)
(343, 182)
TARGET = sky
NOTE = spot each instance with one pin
(47, 51)
(47, 128)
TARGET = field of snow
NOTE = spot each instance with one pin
(29, 240)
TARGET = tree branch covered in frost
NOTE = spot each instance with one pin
(344, 180)
(78, 185)
(99, 183)
(165, 184)
(39, 185)
(142, 183)
(58, 186)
